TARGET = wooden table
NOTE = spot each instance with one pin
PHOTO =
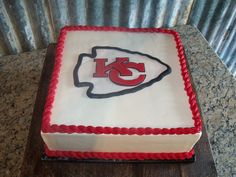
(34, 166)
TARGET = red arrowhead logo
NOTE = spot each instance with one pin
(119, 72)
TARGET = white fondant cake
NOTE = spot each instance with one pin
(120, 91)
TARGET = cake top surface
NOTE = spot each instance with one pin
(120, 79)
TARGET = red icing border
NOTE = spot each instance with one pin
(47, 128)
(120, 155)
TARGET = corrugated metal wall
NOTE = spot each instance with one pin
(32, 24)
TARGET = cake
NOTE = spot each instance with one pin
(120, 93)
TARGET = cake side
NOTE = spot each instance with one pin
(120, 143)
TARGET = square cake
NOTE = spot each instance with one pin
(120, 93)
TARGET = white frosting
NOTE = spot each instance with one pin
(120, 143)
(163, 105)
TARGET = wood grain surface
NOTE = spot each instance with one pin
(34, 166)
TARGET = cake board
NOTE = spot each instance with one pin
(44, 157)
(33, 165)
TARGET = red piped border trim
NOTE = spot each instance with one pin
(120, 155)
(48, 128)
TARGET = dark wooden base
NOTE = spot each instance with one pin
(34, 166)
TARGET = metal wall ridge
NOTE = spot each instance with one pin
(28, 25)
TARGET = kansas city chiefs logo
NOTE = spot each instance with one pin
(120, 67)
(112, 71)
